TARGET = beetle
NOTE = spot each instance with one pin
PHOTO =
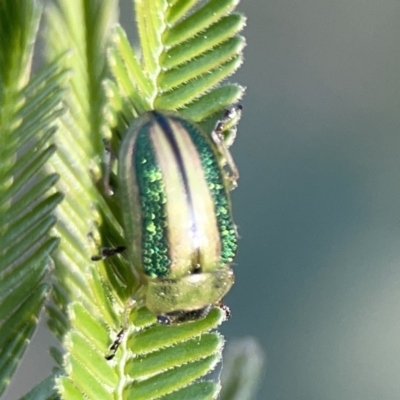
(173, 188)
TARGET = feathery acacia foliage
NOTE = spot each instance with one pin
(187, 49)
(29, 108)
(178, 70)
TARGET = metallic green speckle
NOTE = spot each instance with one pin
(214, 178)
(152, 195)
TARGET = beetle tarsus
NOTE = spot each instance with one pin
(231, 114)
(164, 319)
(115, 345)
(108, 252)
(223, 307)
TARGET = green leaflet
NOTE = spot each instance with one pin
(176, 72)
(29, 108)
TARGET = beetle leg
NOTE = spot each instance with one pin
(231, 115)
(115, 345)
(121, 334)
(223, 307)
(108, 252)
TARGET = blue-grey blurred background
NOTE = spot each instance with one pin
(318, 204)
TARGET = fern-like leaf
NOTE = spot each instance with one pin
(187, 51)
(28, 111)
(184, 58)
(82, 309)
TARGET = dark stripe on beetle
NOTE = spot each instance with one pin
(166, 128)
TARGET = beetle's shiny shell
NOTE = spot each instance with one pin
(175, 204)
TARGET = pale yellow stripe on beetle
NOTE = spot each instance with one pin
(206, 238)
(177, 208)
(130, 199)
